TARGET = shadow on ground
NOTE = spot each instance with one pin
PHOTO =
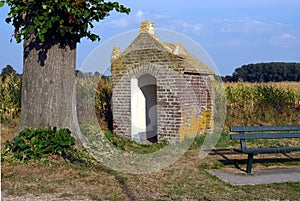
(231, 157)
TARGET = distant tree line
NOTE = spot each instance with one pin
(7, 71)
(266, 72)
(260, 72)
(80, 74)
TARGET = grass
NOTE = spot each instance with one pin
(122, 143)
(186, 179)
(132, 146)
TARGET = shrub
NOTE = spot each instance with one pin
(40, 143)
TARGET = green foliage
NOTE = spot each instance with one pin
(40, 143)
(223, 141)
(66, 21)
(198, 142)
(266, 72)
(10, 97)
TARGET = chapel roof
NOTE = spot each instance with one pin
(148, 40)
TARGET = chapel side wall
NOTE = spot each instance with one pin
(203, 92)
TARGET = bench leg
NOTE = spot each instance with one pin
(249, 163)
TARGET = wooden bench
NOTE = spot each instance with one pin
(263, 132)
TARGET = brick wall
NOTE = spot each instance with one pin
(180, 96)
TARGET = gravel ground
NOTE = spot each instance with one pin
(43, 197)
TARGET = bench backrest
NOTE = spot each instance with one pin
(265, 132)
(263, 128)
(265, 136)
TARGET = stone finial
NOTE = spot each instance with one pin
(179, 50)
(115, 53)
(147, 27)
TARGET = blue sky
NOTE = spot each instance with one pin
(232, 32)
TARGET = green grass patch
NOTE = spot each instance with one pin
(133, 147)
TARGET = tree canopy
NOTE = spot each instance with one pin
(62, 21)
(8, 70)
(51, 30)
(266, 72)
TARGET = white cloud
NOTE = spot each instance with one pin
(187, 27)
(245, 26)
(259, 33)
(232, 43)
(120, 23)
(160, 17)
(139, 15)
(285, 40)
(288, 36)
(146, 15)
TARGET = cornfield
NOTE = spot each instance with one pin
(263, 103)
(247, 103)
(93, 101)
(10, 97)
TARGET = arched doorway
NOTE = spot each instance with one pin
(144, 108)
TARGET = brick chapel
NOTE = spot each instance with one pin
(160, 90)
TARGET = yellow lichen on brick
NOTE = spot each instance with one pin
(189, 128)
(205, 121)
(195, 125)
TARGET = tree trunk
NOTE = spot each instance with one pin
(48, 88)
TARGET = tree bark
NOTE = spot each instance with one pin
(48, 88)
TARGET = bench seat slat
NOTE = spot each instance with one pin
(268, 150)
(265, 136)
(263, 128)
